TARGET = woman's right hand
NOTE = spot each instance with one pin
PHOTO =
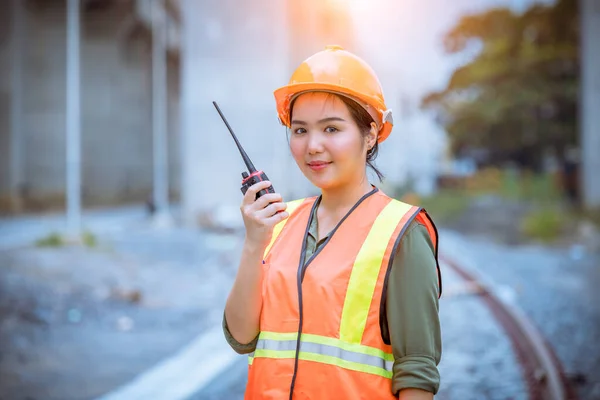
(261, 215)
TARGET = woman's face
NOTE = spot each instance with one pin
(326, 142)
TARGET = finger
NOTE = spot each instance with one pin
(271, 209)
(250, 195)
(266, 199)
(277, 218)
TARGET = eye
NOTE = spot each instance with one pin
(299, 131)
(331, 129)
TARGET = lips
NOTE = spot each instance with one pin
(318, 165)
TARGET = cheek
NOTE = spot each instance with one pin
(347, 148)
(297, 148)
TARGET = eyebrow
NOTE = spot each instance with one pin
(330, 119)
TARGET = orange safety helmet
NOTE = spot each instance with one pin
(337, 71)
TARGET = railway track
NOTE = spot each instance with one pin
(542, 371)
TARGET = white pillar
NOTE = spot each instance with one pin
(159, 110)
(73, 164)
(16, 128)
(590, 101)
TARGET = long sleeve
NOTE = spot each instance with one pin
(412, 311)
(238, 347)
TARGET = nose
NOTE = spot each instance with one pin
(315, 143)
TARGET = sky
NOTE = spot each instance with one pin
(404, 38)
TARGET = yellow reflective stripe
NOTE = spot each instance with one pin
(345, 364)
(263, 353)
(291, 207)
(325, 359)
(325, 350)
(329, 341)
(365, 272)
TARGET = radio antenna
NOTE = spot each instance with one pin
(245, 157)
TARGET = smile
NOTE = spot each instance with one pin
(317, 166)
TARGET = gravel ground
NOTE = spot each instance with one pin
(77, 322)
(556, 287)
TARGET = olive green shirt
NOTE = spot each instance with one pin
(412, 321)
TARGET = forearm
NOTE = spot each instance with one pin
(244, 303)
(412, 316)
(414, 394)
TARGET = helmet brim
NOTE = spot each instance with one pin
(284, 96)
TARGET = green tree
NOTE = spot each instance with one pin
(518, 96)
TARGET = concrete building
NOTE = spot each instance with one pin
(590, 100)
(116, 102)
(237, 54)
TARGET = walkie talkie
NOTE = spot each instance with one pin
(254, 176)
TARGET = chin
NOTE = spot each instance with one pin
(323, 183)
(326, 181)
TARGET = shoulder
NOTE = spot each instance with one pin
(417, 222)
(416, 257)
(417, 231)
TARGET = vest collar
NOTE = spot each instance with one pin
(305, 263)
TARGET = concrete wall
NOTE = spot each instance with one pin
(116, 124)
(235, 53)
(44, 101)
(5, 89)
(590, 104)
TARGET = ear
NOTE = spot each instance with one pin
(372, 136)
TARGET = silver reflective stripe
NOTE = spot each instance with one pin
(326, 350)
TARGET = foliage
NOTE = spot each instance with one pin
(518, 96)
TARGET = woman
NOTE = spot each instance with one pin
(352, 270)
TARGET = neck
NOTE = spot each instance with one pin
(341, 199)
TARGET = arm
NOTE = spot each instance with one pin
(244, 303)
(412, 316)
(242, 310)
(415, 394)
(240, 348)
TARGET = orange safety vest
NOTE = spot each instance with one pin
(334, 301)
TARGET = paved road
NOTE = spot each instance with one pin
(556, 288)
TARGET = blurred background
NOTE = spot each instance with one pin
(120, 229)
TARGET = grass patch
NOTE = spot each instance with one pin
(549, 219)
(89, 239)
(526, 186)
(52, 240)
(544, 224)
